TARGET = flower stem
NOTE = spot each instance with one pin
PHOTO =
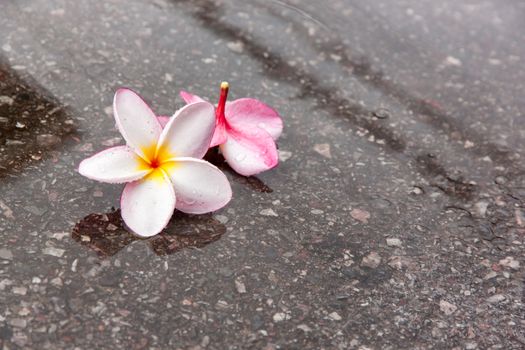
(222, 101)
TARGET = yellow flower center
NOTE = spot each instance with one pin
(158, 162)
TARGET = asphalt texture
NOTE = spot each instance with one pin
(395, 219)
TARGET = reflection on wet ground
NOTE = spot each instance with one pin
(106, 233)
(396, 218)
(33, 125)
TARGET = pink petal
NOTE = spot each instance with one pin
(200, 187)
(163, 120)
(147, 204)
(114, 165)
(250, 154)
(188, 133)
(137, 122)
(220, 135)
(246, 113)
(189, 98)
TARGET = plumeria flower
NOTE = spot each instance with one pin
(163, 168)
(245, 131)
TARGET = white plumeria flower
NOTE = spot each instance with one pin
(162, 167)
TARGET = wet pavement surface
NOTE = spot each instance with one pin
(395, 220)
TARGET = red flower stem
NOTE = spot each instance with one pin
(222, 102)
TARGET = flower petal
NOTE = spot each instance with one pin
(188, 133)
(114, 165)
(247, 113)
(136, 122)
(250, 154)
(163, 120)
(200, 187)
(147, 204)
(219, 135)
(189, 98)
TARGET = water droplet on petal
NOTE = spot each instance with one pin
(189, 201)
(240, 157)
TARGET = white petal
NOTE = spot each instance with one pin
(200, 187)
(114, 165)
(147, 205)
(136, 122)
(188, 133)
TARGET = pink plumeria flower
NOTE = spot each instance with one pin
(245, 131)
(163, 168)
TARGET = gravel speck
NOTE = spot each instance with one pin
(6, 254)
(447, 308)
(490, 275)
(221, 218)
(471, 346)
(416, 190)
(284, 155)
(509, 261)
(20, 290)
(280, 316)
(6, 100)
(239, 285)
(323, 149)
(372, 260)
(360, 215)
(47, 140)
(205, 341)
(57, 281)
(53, 251)
(236, 46)
(60, 235)
(480, 208)
(453, 61)
(268, 212)
(496, 298)
(18, 322)
(304, 328)
(393, 242)
(335, 316)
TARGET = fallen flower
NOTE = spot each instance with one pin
(245, 131)
(163, 168)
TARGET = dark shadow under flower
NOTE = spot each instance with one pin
(214, 157)
(106, 233)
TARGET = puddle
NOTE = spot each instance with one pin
(33, 125)
(106, 233)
